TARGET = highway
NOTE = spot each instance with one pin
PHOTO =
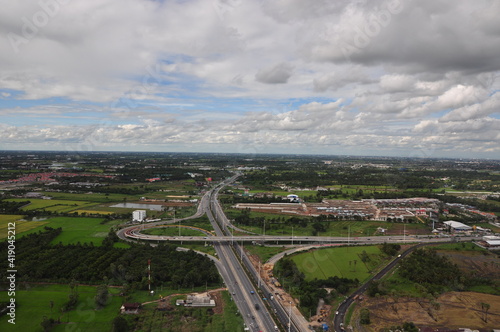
(135, 233)
(241, 278)
(246, 297)
(262, 315)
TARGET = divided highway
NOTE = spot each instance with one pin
(241, 278)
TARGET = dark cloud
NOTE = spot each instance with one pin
(277, 74)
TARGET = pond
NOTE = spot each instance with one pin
(154, 207)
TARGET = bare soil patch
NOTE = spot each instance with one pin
(451, 310)
(482, 264)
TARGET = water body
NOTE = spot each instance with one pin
(153, 207)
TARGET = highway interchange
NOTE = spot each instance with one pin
(252, 297)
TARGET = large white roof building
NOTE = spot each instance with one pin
(457, 226)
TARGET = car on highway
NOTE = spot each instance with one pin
(252, 292)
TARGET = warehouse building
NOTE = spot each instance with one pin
(457, 227)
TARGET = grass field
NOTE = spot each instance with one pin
(340, 261)
(342, 228)
(54, 205)
(208, 248)
(173, 230)
(264, 253)
(493, 228)
(92, 212)
(78, 229)
(189, 319)
(94, 197)
(282, 193)
(201, 222)
(462, 246)
(33, 303)
(20, 226)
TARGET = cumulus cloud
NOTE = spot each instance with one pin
(383, 76)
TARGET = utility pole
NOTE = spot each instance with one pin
(179, 224)
(149, 276)
(232, 235)
(404, 233)
(259, 277)
(348, 236)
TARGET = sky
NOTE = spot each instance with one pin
(401, 78)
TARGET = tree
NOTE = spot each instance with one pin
(364, 316)
(119, 324)
(374, 289)
(101, 298)
(47, 323)
(390, 249)
(410, 327)
(485, 307)
(364, 257)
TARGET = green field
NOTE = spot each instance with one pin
(282, 193)
(94, 197)
(263, 252)
(340, 261)
(53, 205)
(189, 319)
(205, 248)
(462, 246)
(493, 228)
(21, 226)
(33, 303)
(173, 230)
(77, 229)
(201, 222)
(343, 228)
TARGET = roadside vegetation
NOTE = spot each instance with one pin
(330, 273)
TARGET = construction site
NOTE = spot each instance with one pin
(369, 209)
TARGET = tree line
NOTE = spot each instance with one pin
(38, 260)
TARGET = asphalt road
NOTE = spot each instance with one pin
(245, 295)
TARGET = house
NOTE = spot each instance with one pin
(130, 308)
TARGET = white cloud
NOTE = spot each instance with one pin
(405, 74)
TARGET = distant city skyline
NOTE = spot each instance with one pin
(360, 78)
